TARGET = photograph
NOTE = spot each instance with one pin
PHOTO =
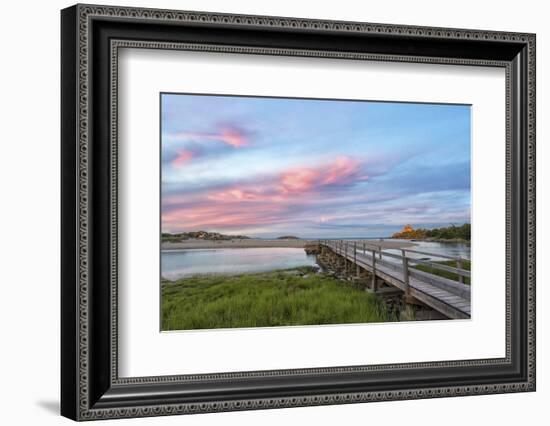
(283, 211)
(264, 209)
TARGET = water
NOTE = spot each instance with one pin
(184, 263)
(447, 249)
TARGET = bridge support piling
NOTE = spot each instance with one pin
(357, 268)
(346, 256)
(406, 273)
(374, 281)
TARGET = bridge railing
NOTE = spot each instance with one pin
(343, 246)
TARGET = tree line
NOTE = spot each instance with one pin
(452, 232)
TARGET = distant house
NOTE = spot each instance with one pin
(408, 232)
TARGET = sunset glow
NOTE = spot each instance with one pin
(231, 136)
(313, 168)
(182, 157)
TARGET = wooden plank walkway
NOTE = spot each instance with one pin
(449, 297)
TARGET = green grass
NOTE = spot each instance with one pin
(278, 298)
(466, 264)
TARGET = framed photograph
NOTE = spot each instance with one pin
(263, 212)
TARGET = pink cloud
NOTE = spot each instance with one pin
(182, 157)
(211, 215)
(303, 179)
(233, 136)
(297, 181)
(247, 193)
(228, 135)
(343, 170)
(266, 201)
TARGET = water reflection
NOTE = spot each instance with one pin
(183, 263)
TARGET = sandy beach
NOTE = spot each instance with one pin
(258, 243)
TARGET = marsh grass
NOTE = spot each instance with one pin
(466, 264)
(278, 298)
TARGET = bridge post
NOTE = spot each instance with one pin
(346, 256)
(380, 252)
(357, 269)
(459, 266)
(406, 272)
(364, 247)
(374, 282)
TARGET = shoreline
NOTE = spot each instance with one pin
(259, 243)
(436, 240)
(236, 243)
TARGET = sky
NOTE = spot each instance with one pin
(266, 167)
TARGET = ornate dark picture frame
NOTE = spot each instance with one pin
(91, 37)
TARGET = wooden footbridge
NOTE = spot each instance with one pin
(449, 297)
